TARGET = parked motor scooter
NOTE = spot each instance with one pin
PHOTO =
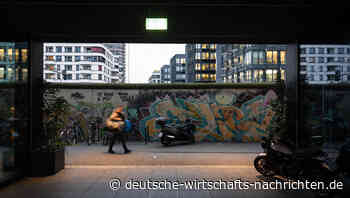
(171, 133)
(282, 159)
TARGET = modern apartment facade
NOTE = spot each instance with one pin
(201, 63)
(119, 52)
(13, 62)
(165, 74)
(81, 63)
(178, 68)
(254, 63)
(155, 77)
(325, 64)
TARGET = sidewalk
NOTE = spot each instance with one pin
(203, 154)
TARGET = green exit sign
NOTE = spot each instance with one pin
(156, 24)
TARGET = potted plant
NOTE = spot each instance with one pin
(49, 157)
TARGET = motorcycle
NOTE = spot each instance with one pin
(315, 164)
(171, 133)
(279, 158)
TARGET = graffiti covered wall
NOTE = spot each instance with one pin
(220, 114)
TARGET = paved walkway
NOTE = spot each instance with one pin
(156, 154)
(94, 182)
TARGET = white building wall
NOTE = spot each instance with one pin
(107, 67)
(319, 70)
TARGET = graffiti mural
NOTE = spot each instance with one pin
(220, 114)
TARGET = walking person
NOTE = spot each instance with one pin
(118, 133)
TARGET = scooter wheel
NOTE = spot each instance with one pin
(164, 141)
(260, 164)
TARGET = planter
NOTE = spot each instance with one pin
(45, 163)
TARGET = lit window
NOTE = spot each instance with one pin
(17, 55)
(198, 76)
(205, 67)
(283, 57)
(213, 56)
(269, 57)
(198, 66)
(10, 54)
(204, 46)
(25, 55)
(282, 74)
(212, 66)
(205, 55)
(198, 56)
(255, 57)
(275, 58)
(2, 73)
(2, 54)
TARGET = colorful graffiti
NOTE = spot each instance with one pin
(220, 114)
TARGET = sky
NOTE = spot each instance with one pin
(143, 59)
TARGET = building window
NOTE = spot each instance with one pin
(198, 46)
(311, 60)
(177, 61)
(348, 69)
(77, 77)
(341, 50)
(205, 67)
(25, 55)
(330, 51)
(312, 50)
(341, 59)
(312, 69)
(204, 46)
(198, 76)
(68, 49)
(275, 58)
(303, 51)
(49, 49)
(86, 67)
(68, 58)
(198, 67)
(68, 67)
(2, 54)
(311, 77)
(58, 49)
(213, 66)
(321, 77)
(17, 55)
(198, 56)
(77, 67)
(321, 69)
(48, 58)
(100, 77)
(10, 54)
(269, 57)
(330, 59)
(100, 68)
(2, 73)
(58, 58)
(283, 57)
(283, 74)
(348, 50)
(183, 61)
(255, 57)
(321, 59)
(213, 56)
(77, 58)
(205, 55)
(77, 49)
(320, 50)
(261, 58)
(303, 59)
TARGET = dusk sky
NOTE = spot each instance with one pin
(145, 58)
